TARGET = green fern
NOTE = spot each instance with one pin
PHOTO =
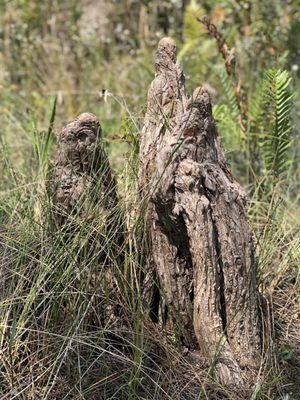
(277, 107)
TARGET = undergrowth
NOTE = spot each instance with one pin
(63, 334)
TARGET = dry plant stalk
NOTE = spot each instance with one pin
(228, 55)
(201, 246)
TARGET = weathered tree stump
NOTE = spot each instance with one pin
(166, 100)
(200, 241)
(80, 163)
(84, 194)
(86, 208)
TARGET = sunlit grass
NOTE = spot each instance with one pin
(72, 323)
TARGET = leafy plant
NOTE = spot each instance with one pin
(277, 127)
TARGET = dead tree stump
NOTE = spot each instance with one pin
(83, 189)
(166, 99)
(201, 244)
(86, 208)
(81, 162)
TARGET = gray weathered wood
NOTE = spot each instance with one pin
(80, 164)
(201, 243)
(166, 99)
(85, 207)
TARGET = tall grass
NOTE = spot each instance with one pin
(72, 323)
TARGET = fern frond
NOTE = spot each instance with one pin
(277, 107)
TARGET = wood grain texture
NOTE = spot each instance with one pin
(201, 243)
(80, 164)
(86, 210)
(167, 253)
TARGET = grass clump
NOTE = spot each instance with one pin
(72, 323)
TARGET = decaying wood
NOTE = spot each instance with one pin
(84, 196)
(80, 163)
(201, 243)
(166, 99)
(83, 188)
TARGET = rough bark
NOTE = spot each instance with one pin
(80, 163)
(201, 243)
(85, 208)
(83, 188)
(166, 99)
